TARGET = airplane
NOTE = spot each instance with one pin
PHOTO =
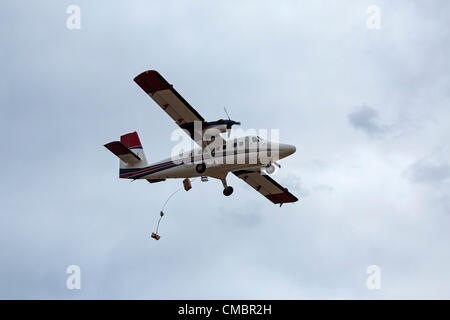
(250, 158)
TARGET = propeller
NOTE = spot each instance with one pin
(225, 109)
(230, 122)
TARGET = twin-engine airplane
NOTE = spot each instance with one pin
(249, 158)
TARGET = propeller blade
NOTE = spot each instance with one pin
(226, 113)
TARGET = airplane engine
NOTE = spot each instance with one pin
(218, 127)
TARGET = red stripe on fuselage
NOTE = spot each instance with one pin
(127, 175)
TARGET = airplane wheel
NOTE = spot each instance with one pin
(228, 191)
(200, 168)
(270, 169)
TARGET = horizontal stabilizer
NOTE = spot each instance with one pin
(155, 180)
(124, 154)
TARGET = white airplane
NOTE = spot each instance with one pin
(249, 158)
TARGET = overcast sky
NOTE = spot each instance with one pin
(368, 110)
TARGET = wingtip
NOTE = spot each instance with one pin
(147, 72)
(151, 81)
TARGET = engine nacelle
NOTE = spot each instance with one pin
(221, 125)
(217, 128)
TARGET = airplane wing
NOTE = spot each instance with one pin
(265, 185)
(168, 98)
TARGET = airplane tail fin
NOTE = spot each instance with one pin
(129, 150)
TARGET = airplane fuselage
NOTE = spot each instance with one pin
(237, 154)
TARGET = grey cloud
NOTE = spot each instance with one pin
(366, 119)
(427, 170)
(433, 169)
(433, 172)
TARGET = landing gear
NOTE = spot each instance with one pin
(228, 191)
(201, 167)
(270, 169)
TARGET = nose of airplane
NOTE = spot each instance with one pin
(287, 150)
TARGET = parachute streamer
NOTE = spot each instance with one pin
(155, 234)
